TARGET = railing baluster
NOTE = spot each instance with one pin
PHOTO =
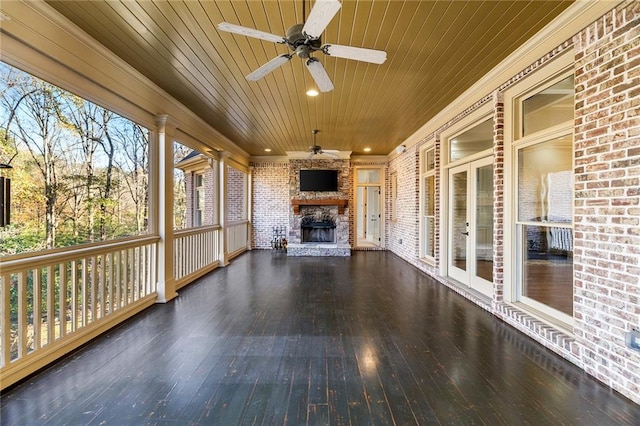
(37, 309)
(101, 286)
(62, 298)
(51, 306)
(5, 320)
(22, 316)
(74, 295)
(85, 299)
(94, 290)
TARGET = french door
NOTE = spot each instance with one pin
(470, 234)
(368, 214)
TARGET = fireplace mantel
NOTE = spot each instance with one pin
(322, 202)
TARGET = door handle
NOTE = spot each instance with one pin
(465, 233)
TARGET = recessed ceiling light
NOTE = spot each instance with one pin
(312, 92)
(267, 150)
(367, 149)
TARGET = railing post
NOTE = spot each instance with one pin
(161, 205)
(222, 205)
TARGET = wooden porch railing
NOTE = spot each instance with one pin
(237, 237)
(196, 252)
(52, 302)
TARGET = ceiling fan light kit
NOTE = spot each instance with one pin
(303, 40)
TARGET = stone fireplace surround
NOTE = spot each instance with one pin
(319, 204)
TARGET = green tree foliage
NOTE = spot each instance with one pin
(80, 171)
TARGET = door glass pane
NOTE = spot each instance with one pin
(551, 106)
(373, 213)
(545, 182)
(368, 176)
(484, 222)
(360, 212)
(459, 237)
(472, 141)
(548, 266)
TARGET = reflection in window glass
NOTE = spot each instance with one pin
(545, 181)
(484, 222)
(549, 107)
(429, 216)
(429, 160)
(472, 141)
(548, 266)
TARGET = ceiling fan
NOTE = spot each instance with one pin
(303, 40)
(317, 149)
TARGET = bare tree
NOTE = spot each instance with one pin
(134, 164)
(33, 106)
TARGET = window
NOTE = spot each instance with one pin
(543, 217)
(199, 199)
(80, 172)
(427, 197)
(472, 141)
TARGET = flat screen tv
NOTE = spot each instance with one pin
(318, 180)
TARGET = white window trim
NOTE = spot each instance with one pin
(555, 71)
(381, 184)
(429, 146)
(478, 116)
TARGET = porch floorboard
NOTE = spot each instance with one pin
(272, 339)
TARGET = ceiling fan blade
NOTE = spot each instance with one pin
(276, 62)
(319, 75)
(322, 13)
(330, 151)
(357, 53)
(250, 32)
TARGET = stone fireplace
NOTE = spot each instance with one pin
(319, 220)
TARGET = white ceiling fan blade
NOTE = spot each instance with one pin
(319, 75)
(250, 32)
(357, 53)
(276, 62)
(322, 13)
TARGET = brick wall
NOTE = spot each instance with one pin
(270, 193)
(498, 197)
(403, 233)
(236, 198)
(607, 204)
(211, 194)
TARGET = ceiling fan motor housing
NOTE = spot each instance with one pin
(301, 45)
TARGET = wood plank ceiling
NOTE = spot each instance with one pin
(436, 50)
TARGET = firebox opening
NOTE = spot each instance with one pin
(318, 229)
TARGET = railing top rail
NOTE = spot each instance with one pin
(180, 233)
(11, 264)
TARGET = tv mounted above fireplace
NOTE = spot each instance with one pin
(318, 180)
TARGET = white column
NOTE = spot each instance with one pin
(162, 206)
(222, 206)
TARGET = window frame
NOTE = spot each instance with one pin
(425, 173)
(198, 219)
(514, 97)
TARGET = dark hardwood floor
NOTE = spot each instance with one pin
(277, 340)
